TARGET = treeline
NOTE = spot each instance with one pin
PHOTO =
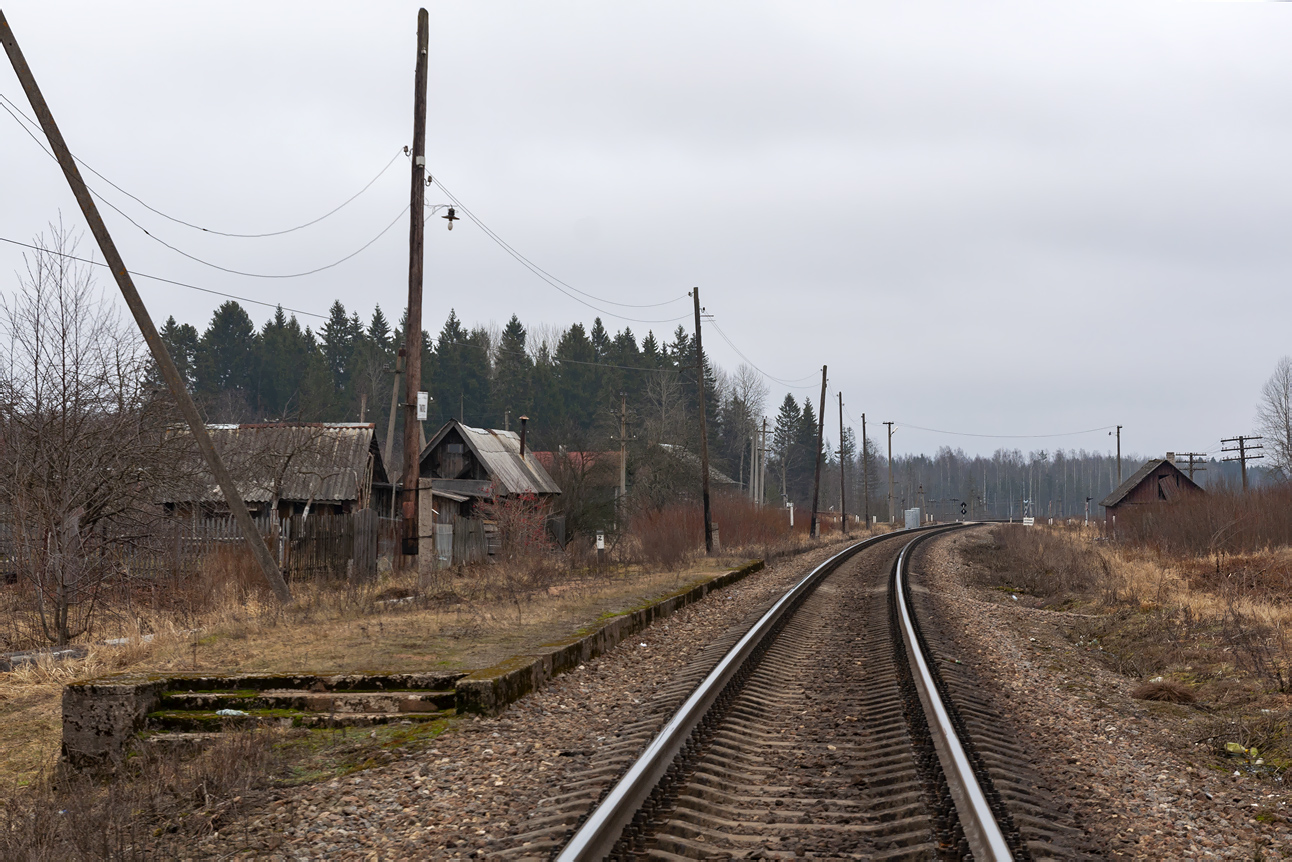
(572, 382)
(576, 384)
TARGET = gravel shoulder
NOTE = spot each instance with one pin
(1139, 786)
(473, 786)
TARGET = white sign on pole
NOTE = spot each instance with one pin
(423, 401)
(1027, 522)
(601, 540)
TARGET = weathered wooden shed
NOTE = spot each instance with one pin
(285, 467)
(482, 463)
(1158, 481)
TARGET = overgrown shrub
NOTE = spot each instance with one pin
(1220, 521)
(1039, 562)
(164, 800)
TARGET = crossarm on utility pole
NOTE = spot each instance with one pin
(165, 364)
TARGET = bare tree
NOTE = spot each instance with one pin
(83, 443)
(1274, 416)
(665, 419)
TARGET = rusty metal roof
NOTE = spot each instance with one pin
(300, 460)
(499, 452)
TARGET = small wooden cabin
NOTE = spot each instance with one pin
(1158, 481)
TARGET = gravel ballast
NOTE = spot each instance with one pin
(477, 784)
(1137, 789)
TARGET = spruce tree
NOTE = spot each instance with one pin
(225, 358)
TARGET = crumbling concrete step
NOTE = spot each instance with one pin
(311, 701)
(199, 721)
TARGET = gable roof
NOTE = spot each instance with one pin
(1119, 493)
(326, 461)
(499, 452)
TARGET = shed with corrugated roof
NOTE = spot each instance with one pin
(287, 466)
(482, 463)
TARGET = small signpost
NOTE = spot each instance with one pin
(423, 402)
(1029, 521)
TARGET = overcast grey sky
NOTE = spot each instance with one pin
(999, 218)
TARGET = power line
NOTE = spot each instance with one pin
(167, 280)
(1003, 436)
(552, 280)
(792, 384)
(18, 116)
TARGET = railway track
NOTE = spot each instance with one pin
(839, 725)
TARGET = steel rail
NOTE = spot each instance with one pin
(982, 832)
(597, 837)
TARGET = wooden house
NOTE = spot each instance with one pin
(289, 467)
(1158, 481)
(466, 465)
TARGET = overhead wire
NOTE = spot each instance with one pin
(552, 280)
(1004, 436)
(138, 274)
(791, 384)
(19, 116)
(195, 258)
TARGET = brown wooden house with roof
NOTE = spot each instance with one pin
(1158, 481)
(468, 464)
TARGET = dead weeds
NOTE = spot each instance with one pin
(1210, 636)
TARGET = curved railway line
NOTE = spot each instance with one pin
(839, 725)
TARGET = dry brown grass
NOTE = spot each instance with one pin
(161, 802)
(1216, 629)
(1165, 690)
(456, 620)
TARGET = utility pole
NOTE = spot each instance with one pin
(762, 464)
(413, 326)
(1244, 450)
(1202, 459)
(865, 471)
(1119, 456)
(815, 529)
(165, 364)
(704, 433)
(390, 424)
(892, 518)
(623, 457)
(843, 496)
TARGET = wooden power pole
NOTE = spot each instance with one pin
(1192, 465)
(1244, 450)
(413, 326)
(820, 445)
(892, 516)
(165, 364)
(704, 433)
(1119, 456)
(865, 472)
(843, 493)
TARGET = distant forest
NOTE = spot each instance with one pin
(572, 382)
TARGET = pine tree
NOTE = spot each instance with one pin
(379, 330)
(181, 342)
(338, 345)
(785, 439)
(652, 354)
(513, 372)
(225, 360)
(576, 378)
